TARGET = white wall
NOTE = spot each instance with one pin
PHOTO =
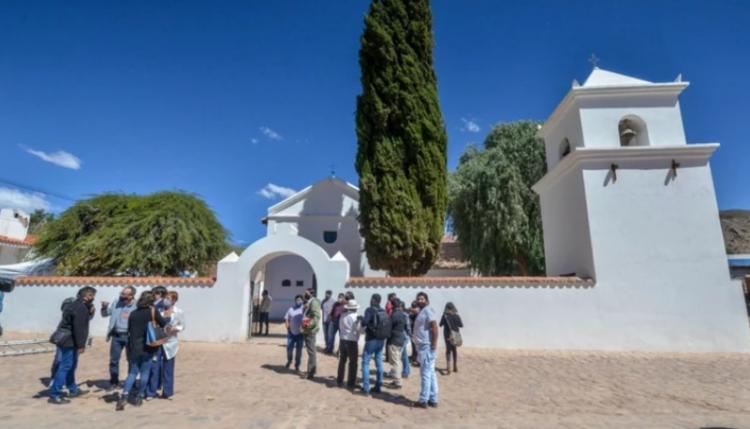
(293, 268)
(14, 223)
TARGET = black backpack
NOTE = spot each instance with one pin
(381, 328)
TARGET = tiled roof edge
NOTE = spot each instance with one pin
(115, 281)
(524, 282)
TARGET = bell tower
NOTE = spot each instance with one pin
(627, 202)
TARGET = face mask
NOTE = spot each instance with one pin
(298, 303)
(166, 302)
(421, 304)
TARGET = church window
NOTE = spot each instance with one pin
(330, 236)
(632, 131)
(564, 148)
(300, 283)
(286, 283)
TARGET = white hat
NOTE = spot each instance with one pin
(352, 305)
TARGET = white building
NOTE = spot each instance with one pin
(326, 214)
(633, 245)
(15, 242)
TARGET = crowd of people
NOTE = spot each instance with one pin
(389, 330)
(146, 329)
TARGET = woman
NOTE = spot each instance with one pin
(450, 321)
(175, 318)
(140, 354)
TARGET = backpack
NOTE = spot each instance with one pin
(381, 328)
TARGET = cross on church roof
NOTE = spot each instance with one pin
(333, 169)
(594, 60)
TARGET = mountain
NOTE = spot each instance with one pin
(735, 224)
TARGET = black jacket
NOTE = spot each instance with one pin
(137, 324)
(399, 325)
(455, 323)
(75, 317)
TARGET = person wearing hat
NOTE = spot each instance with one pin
(350, 328)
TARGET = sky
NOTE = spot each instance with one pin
(242, 103)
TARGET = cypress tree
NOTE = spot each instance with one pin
(401, 155)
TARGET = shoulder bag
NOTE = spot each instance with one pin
(455, 336)
(155, 335)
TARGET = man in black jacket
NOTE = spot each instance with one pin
(75, 319)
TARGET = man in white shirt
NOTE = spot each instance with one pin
(350, 328)
(426, 338)
(326, 306)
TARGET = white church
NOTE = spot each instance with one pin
(633, 245)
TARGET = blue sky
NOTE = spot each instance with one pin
(224, 98)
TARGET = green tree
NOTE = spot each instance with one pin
(166, 233)
(401, 154)
(38, 219)
(495, 214)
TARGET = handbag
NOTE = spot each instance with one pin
(455, 336)
(155, 335)
(60, 336)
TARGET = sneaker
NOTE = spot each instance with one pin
(419, 404)
(58, 400)
(77, 393)
(432, 404)
(138, 401)
(149, 398)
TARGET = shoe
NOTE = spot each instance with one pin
(58, 400)
(288, 364)
(419, 404)
(296, 369)
(394, 386)
(455, 369)
(77, 393)
(120, 402)
(448, 371)
(149, 398)
(432, 404)
(168, 398)
(376, 390)
(138, 401)
(112, 386)
(363, 393)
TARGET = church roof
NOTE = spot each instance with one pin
(601, 77)
(345, 186)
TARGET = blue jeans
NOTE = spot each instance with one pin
(65, 373)
(154, 376)
(117, 345)
(327, 337)
(167, 376)
(372, 348)
(405, 358)
(293, 341)
(429, 390)
(333, 328)
(140, 366)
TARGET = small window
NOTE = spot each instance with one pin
(286, 283)
(300, 283)
(564, 148)
(330, 236)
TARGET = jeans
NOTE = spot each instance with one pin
(429, 390)
(373, 348)
(333, 328)
(293, 341)
(65, 373)
(140, 366)
(117, 345)
(348, 350)
(406, 367)
(326, 337)
(263, 319)
(167, 376)
(154, 375)
(311, 354)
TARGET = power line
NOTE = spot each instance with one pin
(37, 190)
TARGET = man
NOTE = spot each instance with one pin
(350, 327)
(327, 306)
(2, 296)
(310, 328)
(117, 331)
(396, 342)
(339, 308)
(426, 338)
(378, 329)
(294, 337)
(160, 292)
(76, 320)
(390, 303)
(264, 309)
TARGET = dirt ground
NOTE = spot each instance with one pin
(245, 386)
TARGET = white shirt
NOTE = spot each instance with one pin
(349, 327)
(177, 322)
(327, 307)
(423, 326)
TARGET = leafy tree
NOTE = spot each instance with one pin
(38, 219)
(166, 233)
(494, 212)
(401, 154)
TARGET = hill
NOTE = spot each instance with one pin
(735, 224)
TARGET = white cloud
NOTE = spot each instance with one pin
(470, 125)
(271, 134)
(59, 158)
(26, 201)
(273, 192)
(254, 140)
